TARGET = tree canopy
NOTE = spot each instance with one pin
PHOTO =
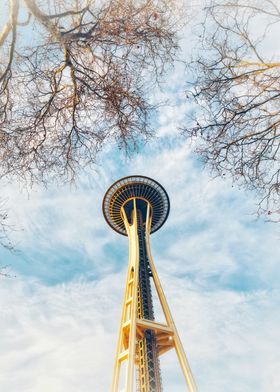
(236, 86)
(75, 75)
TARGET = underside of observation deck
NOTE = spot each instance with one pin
(135, 187)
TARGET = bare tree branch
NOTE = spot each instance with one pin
(4, 272)
(83, 81)
(5, 229)
(237, 92)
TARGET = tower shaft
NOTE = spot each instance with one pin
(148, 370)
(141, 339)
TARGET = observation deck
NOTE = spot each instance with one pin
(139, 187)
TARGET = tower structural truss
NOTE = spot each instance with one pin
(137, 206)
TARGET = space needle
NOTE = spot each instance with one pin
(137, 206)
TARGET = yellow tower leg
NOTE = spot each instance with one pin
(131, 327)
(126, 345)
(170, 323)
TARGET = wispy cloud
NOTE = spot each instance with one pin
(63, 337)
(219, 267)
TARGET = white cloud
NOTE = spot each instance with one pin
(63, 338)
(219, 269)
(57, 338)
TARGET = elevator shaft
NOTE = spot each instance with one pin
(149, 378)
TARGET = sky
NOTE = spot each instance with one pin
(218, 264)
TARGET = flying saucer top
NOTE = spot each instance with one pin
(135, 186)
